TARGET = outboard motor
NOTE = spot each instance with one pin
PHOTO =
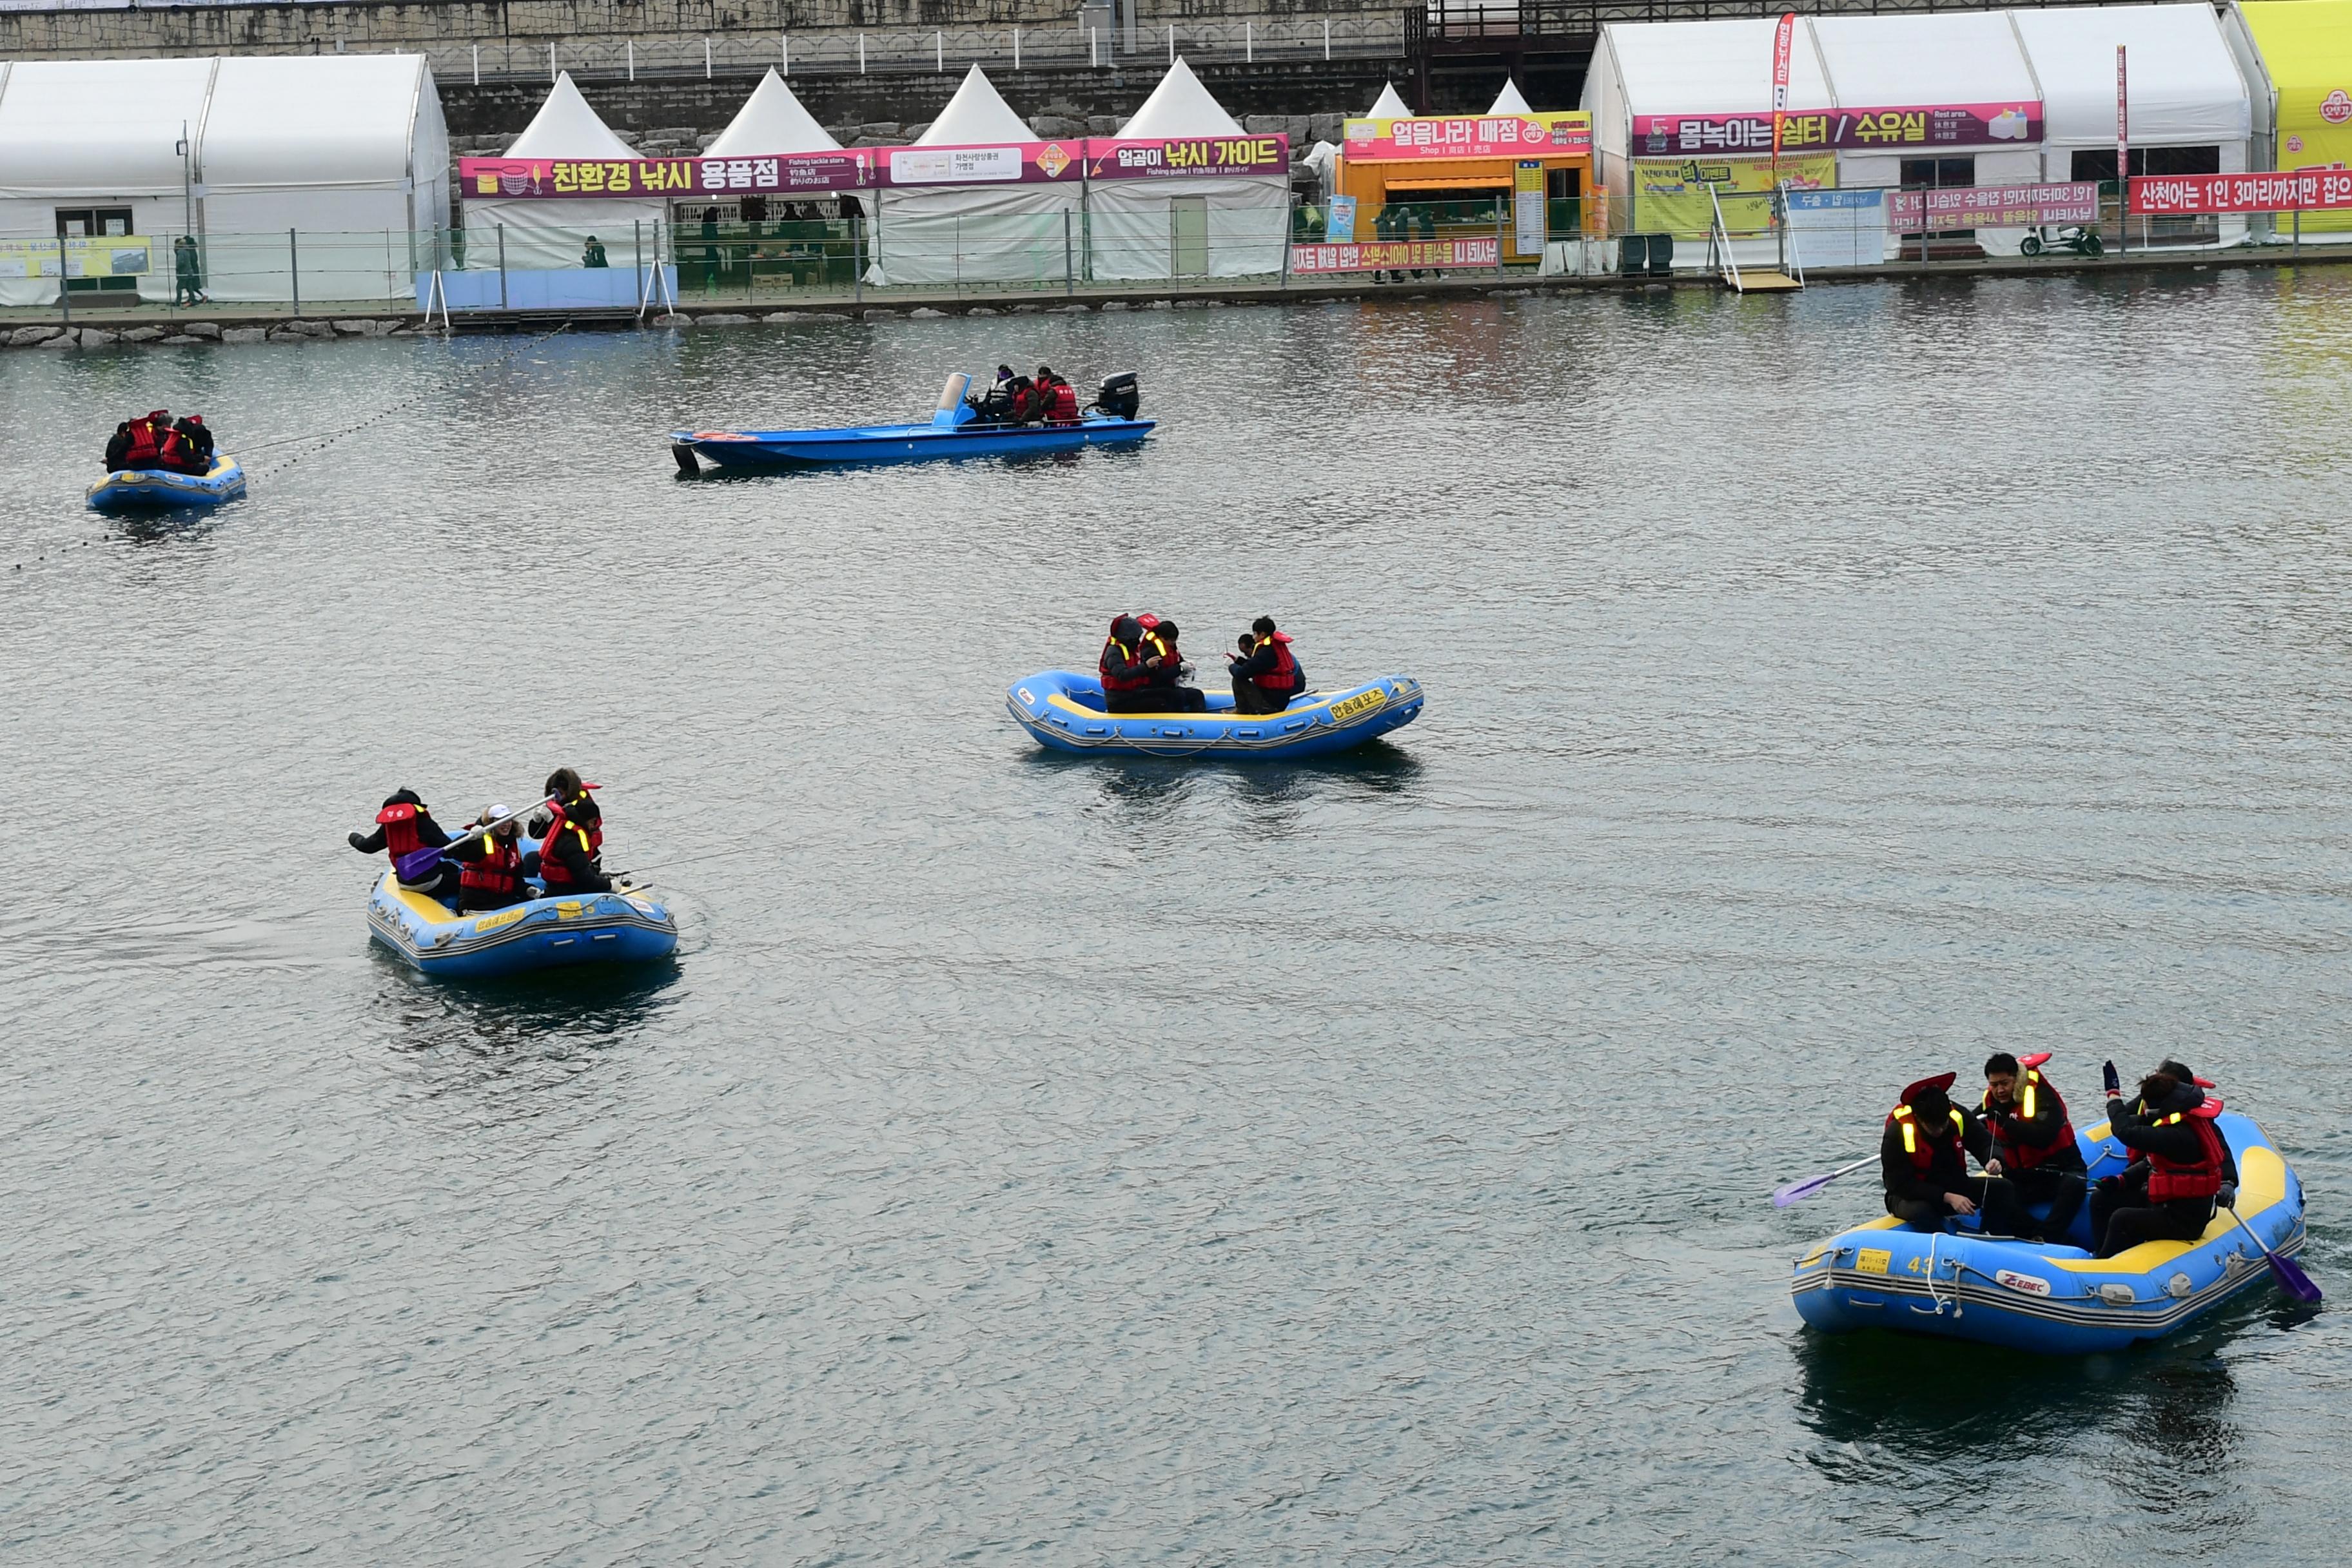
(1120, 397)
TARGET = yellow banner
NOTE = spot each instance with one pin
(98, 255)
(2307, 49)
(1672, 197)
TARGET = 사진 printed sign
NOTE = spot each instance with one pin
(1847, 129)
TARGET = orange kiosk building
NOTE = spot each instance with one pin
(1468, 173)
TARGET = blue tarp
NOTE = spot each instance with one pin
(565, 289)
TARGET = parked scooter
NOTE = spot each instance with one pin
(2081, 241)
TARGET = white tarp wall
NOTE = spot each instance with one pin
(1686, 68)
(2186, 87)
(349, 151)
(98, 133)
(995, 231)
(1947, 58)
(538, 233)
(1133, 225)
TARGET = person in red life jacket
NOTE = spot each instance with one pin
(188, 447)
(1126, 679)
(490, 865)
(2167, 1194)
(1922, 1158)
(1267, 676)
(1058, 399)
(571, 850)
(2032, 1142)
(144, 448)
(1166, 662)
(403, 826)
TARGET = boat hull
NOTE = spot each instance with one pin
(156, 489)
(2057, 1301)
(545, 933)
(1062, 711)
(737, 449)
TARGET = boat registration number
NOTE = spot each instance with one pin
(1363, 702)
(1871, 1260)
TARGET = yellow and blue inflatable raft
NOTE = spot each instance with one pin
(2059, 1300)
(150, 490)
(1064, 711)
(544, 934)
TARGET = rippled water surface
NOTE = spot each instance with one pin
(1101, 1162)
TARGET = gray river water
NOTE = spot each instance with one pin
(1096, 1162)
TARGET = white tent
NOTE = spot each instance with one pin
(2186, 89)
(1187, 226)
(1510, 101)
(349, 151)
(771, 121)
(316, 144)
(986, 230)
(1388, 106)
(540, 233)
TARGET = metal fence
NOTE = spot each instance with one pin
(917, 51)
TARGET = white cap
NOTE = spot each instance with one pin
(497, 811)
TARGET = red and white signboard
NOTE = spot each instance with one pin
(1395, 255)
(1991, 206)
(2306, 190)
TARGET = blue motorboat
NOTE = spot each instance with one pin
(1064, 710)
(623, 926)
(155, 489)
(961, 427)
(2058, 1300)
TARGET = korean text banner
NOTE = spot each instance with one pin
(1394, 254)
(1992, 206)
(82, 256)
(571, 178)
(1851, 130)
(2310, 190)
(1673, 197)
(1156, 159)
(1565, 133)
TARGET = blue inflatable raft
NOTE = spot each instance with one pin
(956, 429)
(544, 934)
(150, 489)
(1064, 710)
(2059, 1300)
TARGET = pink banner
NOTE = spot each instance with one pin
(1550, 134)
(1854, 129)
(2307, 190)
(1395, 255)
(569, 179)
(863, 168)
(1992, 206)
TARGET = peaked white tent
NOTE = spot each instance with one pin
(1510, 101)
(1388, 106)
(771, 121)
(981, 229)
(550, 234)
(348, 150)
(1187, 226)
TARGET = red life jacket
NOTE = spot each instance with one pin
(400, 835)
(551, 869)
(2198, 1178)
(1284, 676)
(1920, 1141)
(1160, 648)
(498, 871)
(1135, 679)
(2033, 1091)
(146, 445)
(1064, 409)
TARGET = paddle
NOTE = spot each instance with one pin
(417, 864)
(1798, 1191)
(2285, 1270)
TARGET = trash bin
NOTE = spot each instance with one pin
(1662, 255)
(1633, 254)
